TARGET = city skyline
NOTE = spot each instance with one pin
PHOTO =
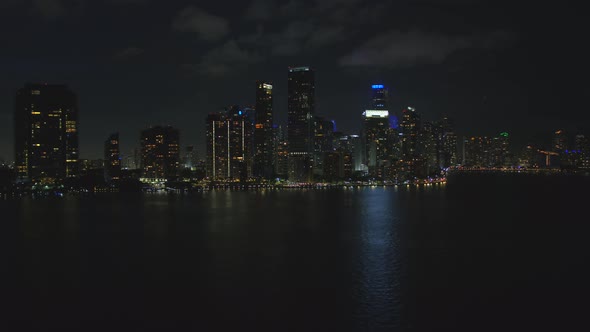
(165, 68)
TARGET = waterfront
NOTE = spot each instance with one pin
(482, 252)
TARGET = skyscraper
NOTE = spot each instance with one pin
(263, 132)
(46, 133)
(160, 152)
(229, 144)
(112, 158)
(301, 109)
(217, 146)
(376, 135)
(379, 97)
(241, 130)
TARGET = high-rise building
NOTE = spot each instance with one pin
(500, 150)
(160, 152)
(478, 152)
(241, 130)
(379, 97)
(112, 158)
(217, 146)
(281, 153)
(263, 132)
(410, 130)
(427, 148)
(229, 144)
(446, 141)
(322, 142)
(46, 133)
(376, 133)
(301, 110)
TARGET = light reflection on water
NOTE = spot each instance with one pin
(360, 259)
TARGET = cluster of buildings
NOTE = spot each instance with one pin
(243, 143)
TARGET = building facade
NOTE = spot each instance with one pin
(160, 152)
(46, 134)
(301, 110)
(263, 132)
(230, 145)
(112, 158)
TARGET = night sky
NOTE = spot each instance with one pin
(492, 65)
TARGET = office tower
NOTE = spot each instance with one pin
(500, 150)
(241, 130)
(229, 144)
(46, 133)
(323, 131)
(376, 133)
(281, 153)
(301, 109)
(379, 97)
(427, 149)
(479, 152)
(263, 132)
(446, 141)
(582, 146)
(217, 146)
(529, 157)
(410, 130)
(160, 152)
(112, 158)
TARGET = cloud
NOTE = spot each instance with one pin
(407, 48)
(325, 36)
(260, 10)
(225, 59)
(290, 41)
(207, 26)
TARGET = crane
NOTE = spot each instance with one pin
(548, 155)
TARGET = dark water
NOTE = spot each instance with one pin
(481, 253)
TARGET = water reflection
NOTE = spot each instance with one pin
(379, 265)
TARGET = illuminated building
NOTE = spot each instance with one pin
(380, 97)
(229, 144)
(322, 143)
(112, 158)
(301, 109)
(500, 150)
(410, 130)
(281, 153)
(263, 132)
(478, 152)
(376, 136)
(582, 145)
(241, 130)
(428, 149)
(46, 133)
(446, 141)
(217, 146)
(160, 152)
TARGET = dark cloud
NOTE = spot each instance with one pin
(260, 10)
(407, 48)
(225, 59)
(325, 36)
(207, 26)
(291, 40)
